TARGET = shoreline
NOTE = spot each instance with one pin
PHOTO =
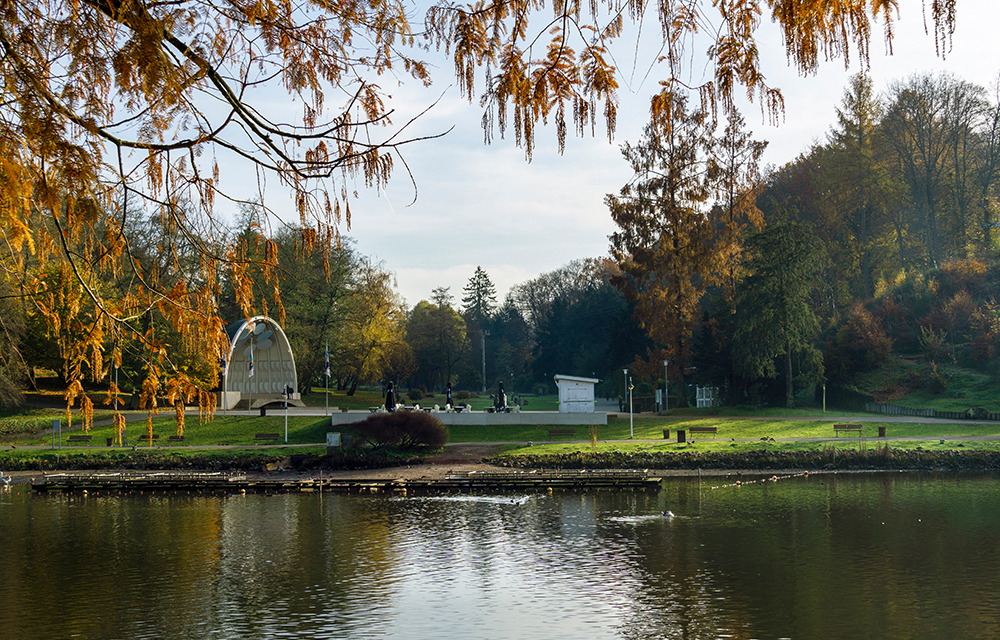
(464, 459)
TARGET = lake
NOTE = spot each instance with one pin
(820, 556)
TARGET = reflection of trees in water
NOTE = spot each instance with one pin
(825, 556)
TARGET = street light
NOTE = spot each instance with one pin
(666, 407)
(628, 388)
(288, 392)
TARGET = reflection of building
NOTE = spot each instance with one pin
(576, 395)
(259, 347)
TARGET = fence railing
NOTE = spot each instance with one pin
(899, 410)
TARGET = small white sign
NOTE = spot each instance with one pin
(333, 439)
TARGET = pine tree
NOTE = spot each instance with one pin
(480, 297)
(774, 318)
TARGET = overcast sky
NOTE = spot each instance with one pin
(479, 205)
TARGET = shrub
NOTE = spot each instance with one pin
(415, 394)
(462, 395)
(406, 429)
(935, 343)
(930, 378)
(861, 344)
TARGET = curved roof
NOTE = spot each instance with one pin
(261, 341)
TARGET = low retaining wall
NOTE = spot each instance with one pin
(481, 418)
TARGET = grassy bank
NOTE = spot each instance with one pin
(228, 440)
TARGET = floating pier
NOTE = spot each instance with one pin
(538, 480)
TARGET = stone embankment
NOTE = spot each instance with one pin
(879, 458)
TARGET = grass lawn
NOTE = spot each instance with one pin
(238, 431)
(32, 419)
(224, 430)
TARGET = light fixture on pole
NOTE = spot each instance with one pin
(117, 425)
(288, 391)
(628, 389)
(666, 404)
(482, 336)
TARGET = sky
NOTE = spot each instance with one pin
(484, 205)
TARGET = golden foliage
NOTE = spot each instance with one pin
(73, 391)
(119, 427)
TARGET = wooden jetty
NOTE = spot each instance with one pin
(227, 483)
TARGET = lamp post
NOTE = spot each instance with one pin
(482, 336)
(120, 442)
(628, 389)
(666, 407)
(287, 390)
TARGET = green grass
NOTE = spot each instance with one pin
(237, 430)
(224, 430)
(965, 388)
(32, 419)
(362, 399)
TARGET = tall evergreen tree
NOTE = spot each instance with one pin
(774, 319)
(480, 297)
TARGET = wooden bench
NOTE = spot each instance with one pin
(837, 428)
(148, 438)
(176, 438)
(80, 438)
(561, 433)
(266, 437)
(712, 430)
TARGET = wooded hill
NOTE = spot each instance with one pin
(903, 197)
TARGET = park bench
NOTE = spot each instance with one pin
(712, 430)
(265, 437)
(837, 428)
(561, 433)
(176, 438)
(80, 438)
(148, 438)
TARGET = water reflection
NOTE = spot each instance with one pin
(845, 556)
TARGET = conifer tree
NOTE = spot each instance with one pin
(480, 297)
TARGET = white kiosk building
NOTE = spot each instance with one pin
(259, 365)
(576, 395)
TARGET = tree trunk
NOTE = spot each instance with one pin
(354, 387)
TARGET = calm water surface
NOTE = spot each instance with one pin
(824, 556)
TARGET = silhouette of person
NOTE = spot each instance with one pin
(390, 399)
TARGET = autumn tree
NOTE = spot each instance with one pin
(857, 173)
(371, 345)
(667, 245)
(12, 367)
(737, 182)
(924, 130)
(437, 335)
